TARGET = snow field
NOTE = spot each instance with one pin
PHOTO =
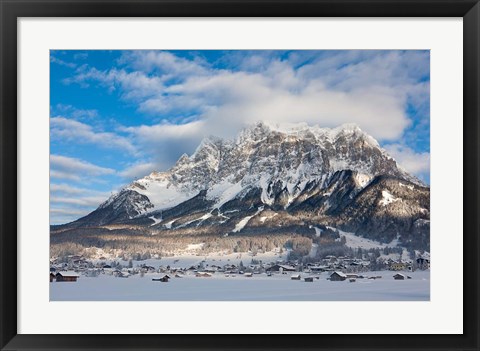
(259, 287)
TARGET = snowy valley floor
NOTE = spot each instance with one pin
(259, 287)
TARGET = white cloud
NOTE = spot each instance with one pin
(90, 201)
(369, 88)
(61, 215)
(372, 93)
(81, 56)
(75, 169)
(165, 62)
(165, 142)
(165, 104)
(65, 188)
(65, 129)
(66, 211)
(349, 70)
(138, 170)
(233, 100)
(64, 175)
(68, 202)
(132, 85)
(75, 112)
(413, 162)
(61, 62)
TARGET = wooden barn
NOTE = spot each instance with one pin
(165, 279)
(281, 267)
(309, 279)
(67, 276)
(399, 276)
(318, 269)
(296, 277)
(52, 277)
(338, 276)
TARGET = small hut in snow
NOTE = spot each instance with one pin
(338, 276)
(67, 276)
(296, 277)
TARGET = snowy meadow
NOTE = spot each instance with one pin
(258, 287)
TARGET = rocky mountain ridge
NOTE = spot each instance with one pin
(268, 181)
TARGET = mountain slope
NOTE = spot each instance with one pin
(270, 181)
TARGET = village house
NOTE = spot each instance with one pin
(281, 267)
(66, 276)
(52, 277)
(318, 269)
(398, 266)
(296, 277)
(399, 276)
(338, 276)
(330, 259)
(423, 263)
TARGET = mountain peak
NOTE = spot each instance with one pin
(182, 160)
(347, 128)
(301, 153)
(352, 131)
(255, 132)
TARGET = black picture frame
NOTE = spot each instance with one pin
(12, 10)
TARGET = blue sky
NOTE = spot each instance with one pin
(118, 115)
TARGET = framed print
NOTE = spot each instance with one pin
(219, 170)
(259, 198)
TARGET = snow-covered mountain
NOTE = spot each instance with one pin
(275, 181)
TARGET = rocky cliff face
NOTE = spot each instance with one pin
(271, 181)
